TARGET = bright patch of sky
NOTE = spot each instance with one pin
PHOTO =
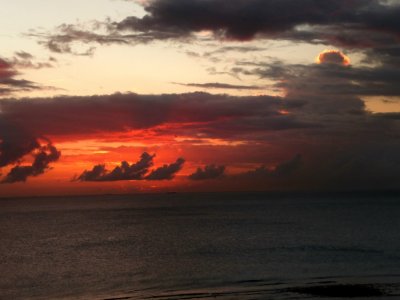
(151, 68)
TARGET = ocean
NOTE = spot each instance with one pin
(201, 246)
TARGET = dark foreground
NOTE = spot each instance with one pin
(201, 246)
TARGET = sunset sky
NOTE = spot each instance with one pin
(114, 96)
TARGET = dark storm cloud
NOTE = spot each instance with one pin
(124, 171)
(208, 172)
(136, 171)
(237, 19)
(166, 172)
(244, 19)
(42, 159)
(219, 85)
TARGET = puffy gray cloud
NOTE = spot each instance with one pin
(97, 173)
(166, 172)
(208, 172)
(137, 171)
(124, 171)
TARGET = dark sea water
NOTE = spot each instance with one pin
(198, 246)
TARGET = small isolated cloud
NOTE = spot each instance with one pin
(25, 60)
(333, 57)
(208, 172)
(23, 55)
(136, 171)
(42, 159)
(166, 172)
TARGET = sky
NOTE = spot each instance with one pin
(125, 96)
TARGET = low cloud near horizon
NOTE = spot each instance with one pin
(136, 171)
